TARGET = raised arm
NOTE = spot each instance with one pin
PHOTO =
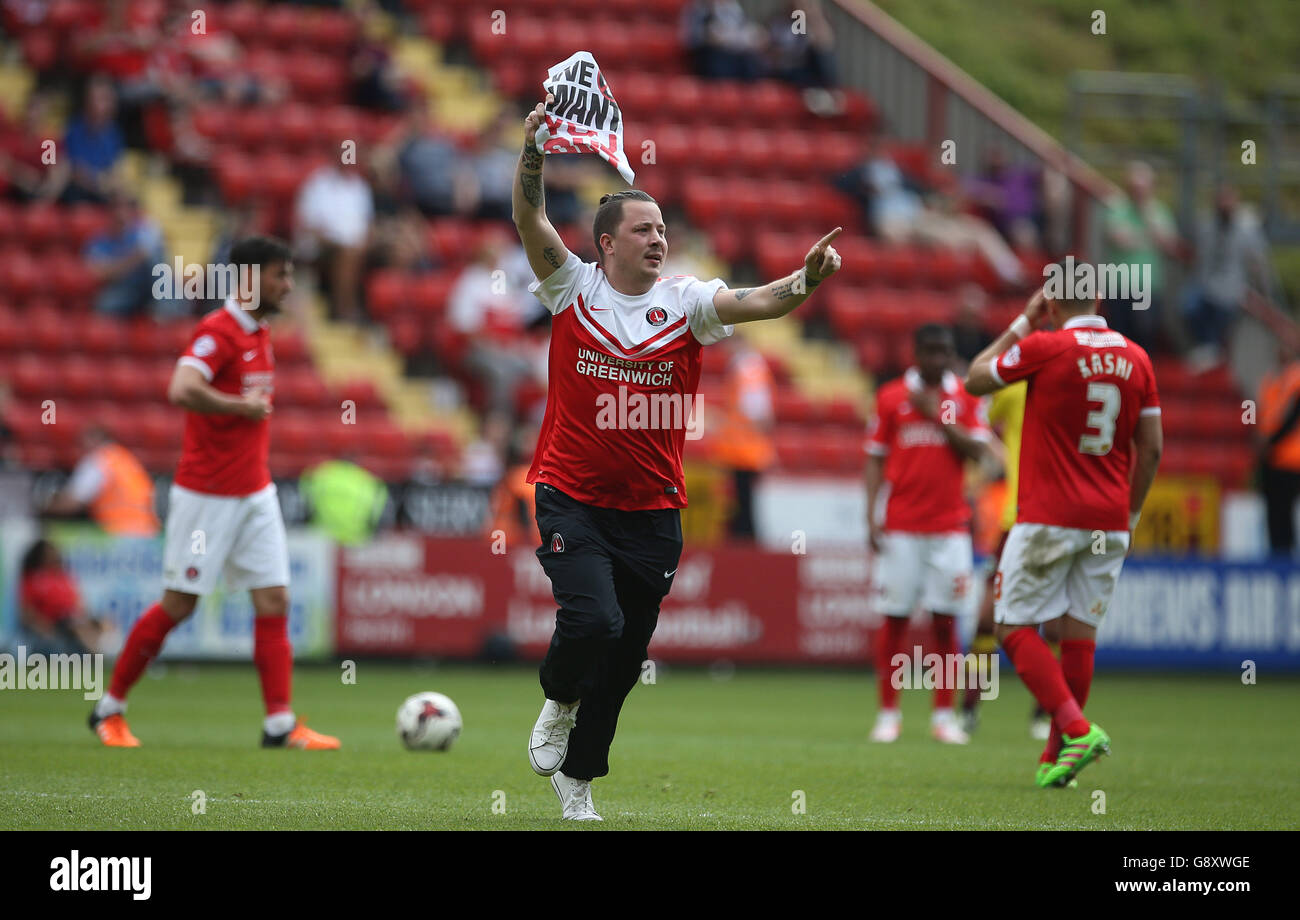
(745, 305)
(980, 379)
(542, 244)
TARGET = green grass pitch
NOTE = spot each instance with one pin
(693, 752)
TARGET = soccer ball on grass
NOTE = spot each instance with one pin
(428, 722)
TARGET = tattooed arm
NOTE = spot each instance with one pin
(542, 244)
(774, 300)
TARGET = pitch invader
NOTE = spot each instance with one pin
(223, 517)
(1092, 420)
(610, 491)
(924, 429)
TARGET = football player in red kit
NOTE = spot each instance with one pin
(924, 429)
(223, 516)
(1091, 444)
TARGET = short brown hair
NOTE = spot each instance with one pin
(610, 214)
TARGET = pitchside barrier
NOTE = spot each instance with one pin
(408, 595)
(121, 578)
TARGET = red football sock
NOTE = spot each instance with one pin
(1077, 656)
(944, 636)
(889, 642)
(1042, 674)
(273, 656)
(142, 646)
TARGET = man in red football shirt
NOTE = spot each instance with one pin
(223, 516)
(1090, 447)
(624, 367)
(924, 429)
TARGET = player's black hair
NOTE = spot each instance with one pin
(35, 555)
(930, 331)
(259, 250)
(610, 213)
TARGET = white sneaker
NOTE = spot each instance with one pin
(944, 727)
(575, 798)
(549, 742)
(1040, 728)
(889, 725)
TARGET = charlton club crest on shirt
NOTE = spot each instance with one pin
(656, 316)
(557, 543)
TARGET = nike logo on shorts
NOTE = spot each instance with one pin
(669, 574)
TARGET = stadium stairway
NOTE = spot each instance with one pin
(346, 356)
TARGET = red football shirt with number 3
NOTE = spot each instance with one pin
(1088, 386)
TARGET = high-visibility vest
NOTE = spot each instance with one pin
(740, 444)
(1276, 395)
(124, 505)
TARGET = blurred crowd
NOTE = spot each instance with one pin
(144, 82)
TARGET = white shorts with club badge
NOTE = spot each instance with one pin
(239, 536)
(933, 568)
(1047, 571)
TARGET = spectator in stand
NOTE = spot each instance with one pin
(942, 222)
(492, 316)
(743, 443)
(93, 145)
(801, 51)
(970, 336)
(122, 259)
(1231, 253)
(494, 156)
(333, 217)
(722, 42)
(25, 171)
(899, 215)
(1056, 194)
(347, 500)
(1279, 450)
(51, 614)
(376, 80)
(438, 177)
(1004, 194)
(110, 484)
(483, 462)
(1139, 232)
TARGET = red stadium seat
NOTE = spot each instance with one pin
(428, 293)
(387, 293)
(42, 225)
(19, 274)
(30, 377)
(407, 334)
(80, 377)
(47, 329)
(12, 334)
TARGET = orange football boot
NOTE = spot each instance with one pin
(302, 738)
(113, 731)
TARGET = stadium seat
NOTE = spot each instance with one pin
(428, 294)
(387, 293)
(47, 329)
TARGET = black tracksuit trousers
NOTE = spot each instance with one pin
(609, 571)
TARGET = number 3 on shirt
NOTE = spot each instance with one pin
(1103, 419)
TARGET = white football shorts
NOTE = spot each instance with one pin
(932, 568)
(239, 536)
(1047, 571)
